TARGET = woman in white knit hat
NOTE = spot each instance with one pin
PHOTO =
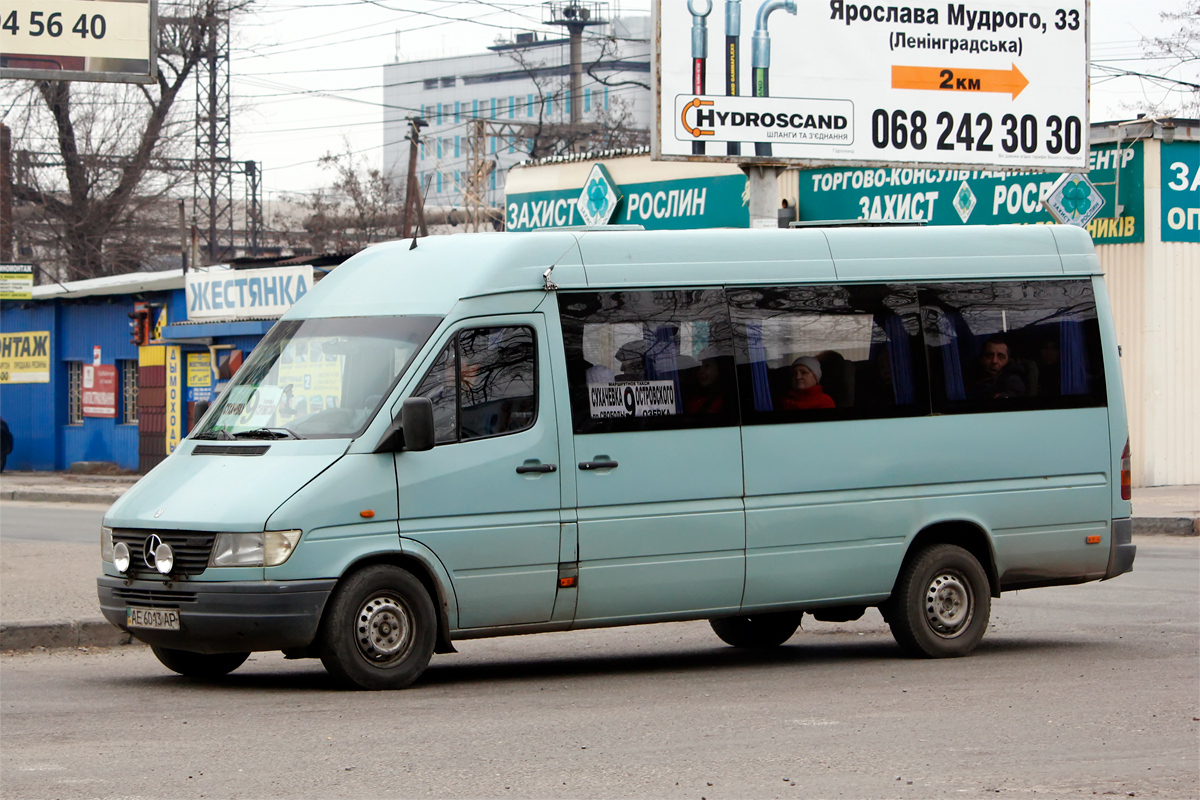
(806, 391)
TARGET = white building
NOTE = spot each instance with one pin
(516, 86)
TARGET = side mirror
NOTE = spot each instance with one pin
(416, 418)
(412, 430)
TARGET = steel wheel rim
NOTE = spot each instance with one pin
(383, 629)
(949, 604)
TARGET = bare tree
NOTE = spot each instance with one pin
(543, 137)
(1180, 50)
(616, 128)
(609, 128)
(1177, 78)
(362, 206)
(93, 162)
(609, 51)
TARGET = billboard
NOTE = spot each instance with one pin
(836, 82)
(1179, 173)
(100, 390)
(245, 293)
(16, 281)
(78, 40)
(978, 197)
(25, 357)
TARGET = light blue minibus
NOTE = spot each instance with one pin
(481, 435)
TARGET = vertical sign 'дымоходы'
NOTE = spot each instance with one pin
(838, 83)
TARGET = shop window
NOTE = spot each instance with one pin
(129, 391)
(74, 392)
(648, 360)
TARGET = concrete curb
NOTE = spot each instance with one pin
(33, 495)
(1166, 526)
(62, 633)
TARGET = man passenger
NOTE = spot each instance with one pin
(999, 379)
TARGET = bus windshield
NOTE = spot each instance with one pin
(317, 378)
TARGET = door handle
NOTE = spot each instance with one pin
(525, 469)
(590, 465)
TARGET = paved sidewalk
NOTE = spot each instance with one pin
(63, 612)
(64, 487)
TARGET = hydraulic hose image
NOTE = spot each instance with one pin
(733, 32)
(760, 57)
(699, 54)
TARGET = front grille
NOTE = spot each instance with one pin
(230, 449)
(153, 596)
(192, 549)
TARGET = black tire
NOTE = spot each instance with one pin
(941, 603)
(758, 631)
(379, 629)
(199, 665)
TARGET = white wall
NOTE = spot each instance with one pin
(1155, 290)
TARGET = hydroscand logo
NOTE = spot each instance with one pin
(598, 201)
(781, 120)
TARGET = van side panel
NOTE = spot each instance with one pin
(495, 530)
(664, 532)
(998, 251)
(1037, 482)
(704, 257)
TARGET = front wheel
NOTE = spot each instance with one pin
(199, 665)
(379, 630)
(757, 631)
(941, 603)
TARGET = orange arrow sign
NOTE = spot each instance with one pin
(960, 80)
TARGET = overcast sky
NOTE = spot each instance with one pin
(307, 75)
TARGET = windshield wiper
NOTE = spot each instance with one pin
(221, 434)
(267, 433)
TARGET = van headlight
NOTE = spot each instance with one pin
(106, 544)
(267, 549)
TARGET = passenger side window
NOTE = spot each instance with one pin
(648, 360)
(1013, 345)
(483, 384)
(828, 352)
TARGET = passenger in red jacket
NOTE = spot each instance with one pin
(806, 391)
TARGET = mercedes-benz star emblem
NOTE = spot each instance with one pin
(152, 543)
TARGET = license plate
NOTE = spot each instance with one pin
(163, 619)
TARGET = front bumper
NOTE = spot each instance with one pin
(228, 617)
(1122, 551)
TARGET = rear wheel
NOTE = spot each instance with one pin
(379, 630)
(941, 604)
(199, 665)
(758, 630)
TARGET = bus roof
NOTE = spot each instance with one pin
(428, 276)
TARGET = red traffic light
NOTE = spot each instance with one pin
(139, 325)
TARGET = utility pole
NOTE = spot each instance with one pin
(6, 222)
(212, 192)
(575, 16)
(253, 207)
(183, 237)
(479, 167)
(414, 204)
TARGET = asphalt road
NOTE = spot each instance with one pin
(51, 522)
(1075, 692)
